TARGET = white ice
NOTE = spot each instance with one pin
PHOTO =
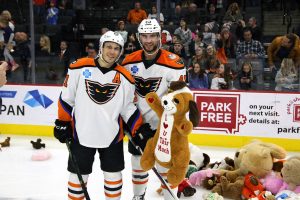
(24, 179)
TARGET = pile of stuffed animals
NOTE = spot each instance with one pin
(258, 171)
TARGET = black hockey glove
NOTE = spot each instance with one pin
(62, 130)
(142, 135)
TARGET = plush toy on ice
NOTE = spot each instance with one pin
(169, 147)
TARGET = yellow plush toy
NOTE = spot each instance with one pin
(170, 147)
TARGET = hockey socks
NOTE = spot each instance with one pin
(112, 185)
(139, 176)
(75, 191)
(163, 172)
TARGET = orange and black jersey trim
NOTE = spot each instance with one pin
(90, 62)
(163, 58)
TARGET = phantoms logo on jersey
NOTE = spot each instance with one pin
(99, 93)
(144, 86)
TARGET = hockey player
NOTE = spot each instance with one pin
(96, 94)
(153, 69)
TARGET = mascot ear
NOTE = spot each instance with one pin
(194, 113)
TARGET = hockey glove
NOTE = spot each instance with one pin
(142, 135)
(62, 130)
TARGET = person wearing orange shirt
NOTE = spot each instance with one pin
(136, 15)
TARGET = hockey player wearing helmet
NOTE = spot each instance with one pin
(95, 95)
(153, 69)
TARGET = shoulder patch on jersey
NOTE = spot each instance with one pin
(125, 73)
(171, 60)
(134, 57)
(82, 62)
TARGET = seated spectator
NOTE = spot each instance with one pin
(131, 45)
(197, 77)
(136, 15)
(52, 14)
(6, 15)
(166, 38)
(245, 76)
(199, 57)
(64, 56)
(121, 30)
(233, 13)
(185, 35)
(177, 48)
(153, 14)
(249, 48)
(212, 16)
(225, 40)
(286, 75)
(256, 30)
(286, 46)
(196, 43)
(45, 46)
(212, 60)
(192, 17)
(209, 37)
(176, 16)
(218, 82)
(91, 50)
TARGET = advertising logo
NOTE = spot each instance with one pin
(34, 99)
(219, 112)
(296, 113)
(7, 94)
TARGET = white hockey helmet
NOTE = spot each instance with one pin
(111, 36)
(149, 26)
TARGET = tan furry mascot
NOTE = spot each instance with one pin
(169, 148)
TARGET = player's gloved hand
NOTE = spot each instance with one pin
(143, 133)
(62, 130)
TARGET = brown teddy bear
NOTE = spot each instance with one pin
(291, 174)
(228, 189)
(170, 147)
(257, 158)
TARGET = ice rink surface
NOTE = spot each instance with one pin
(24, 179)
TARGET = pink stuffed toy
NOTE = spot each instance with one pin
(196, 178)
(40, 155)
(272, 182)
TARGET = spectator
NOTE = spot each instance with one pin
(225, 40)
(131, 45)
(6, 42)
(199, 57)
(197, 77)
(23, 52)
(286, 76)
(153, 14)
(196, 43)
(166, 38)
(121, 30)
(91, 50)
(212, 16)
(64, 56)
(39, 8)
(192, 17)
(177, 48)
(233, 13)
(209, 37)
(3, 68)
(52, 14)
(6, 15)
(45, 46)
(256, 30)
(185, 35)
(218, 82)
(250, 48)
(176, 16)
(286, 46)
(136, 15)
(245, 76)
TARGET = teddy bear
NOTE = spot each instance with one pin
(212, 196)
(169, 147)
(197, 177)
(291, 174)
(256, 157)
(5, 143)
(38, 144)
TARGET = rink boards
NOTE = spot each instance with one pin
(226, 119)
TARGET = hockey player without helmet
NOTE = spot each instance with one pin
(149, 26)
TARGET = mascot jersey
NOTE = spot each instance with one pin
(153, 77)
(96, 98)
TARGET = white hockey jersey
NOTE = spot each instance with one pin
(153, 77)
(94, 99)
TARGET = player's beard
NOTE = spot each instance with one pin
(151, 50)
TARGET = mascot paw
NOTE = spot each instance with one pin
(175, 178)
(147, 164)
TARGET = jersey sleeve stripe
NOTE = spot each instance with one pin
(125, 73)
(64, 110)
(135, 121)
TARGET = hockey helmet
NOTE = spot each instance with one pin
(149, 26)
(111, 36)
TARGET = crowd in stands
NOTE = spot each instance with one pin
(220, 48)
